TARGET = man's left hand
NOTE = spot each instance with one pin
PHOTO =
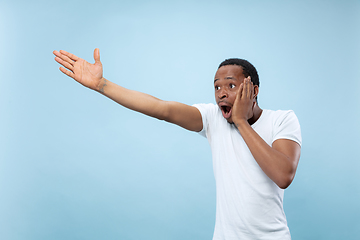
(244, 102)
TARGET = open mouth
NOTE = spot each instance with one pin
(226, 111)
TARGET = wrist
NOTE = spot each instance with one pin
(240, 122)
(101, 86)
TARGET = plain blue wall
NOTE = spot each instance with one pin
(75, 165)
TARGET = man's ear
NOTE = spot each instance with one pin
(256, 91)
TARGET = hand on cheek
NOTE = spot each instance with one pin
(244, 102)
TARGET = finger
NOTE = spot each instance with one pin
(69, 55)
(241, 89)
(248, 88)
(56, 53)
(251, 90)
(251, 87)
(65, 64)
(97, 55)
(67, 72)
(63, 57)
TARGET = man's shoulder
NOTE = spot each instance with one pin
(278, 114)
(276, 118)
(284, 124)
(205, 105)
(207, 108)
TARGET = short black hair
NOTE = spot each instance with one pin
(247, 67)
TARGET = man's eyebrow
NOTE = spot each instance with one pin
(228, 78)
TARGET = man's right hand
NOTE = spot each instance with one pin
(89, 75)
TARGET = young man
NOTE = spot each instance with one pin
(255, 152)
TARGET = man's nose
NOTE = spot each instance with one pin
(222, 94)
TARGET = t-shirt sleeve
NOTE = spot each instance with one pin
(205, 110)
(288, 127)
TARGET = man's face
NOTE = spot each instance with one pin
(227, 82)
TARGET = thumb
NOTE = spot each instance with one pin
(97, 55)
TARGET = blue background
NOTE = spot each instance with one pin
(75, 165)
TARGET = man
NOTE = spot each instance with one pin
(255, 152)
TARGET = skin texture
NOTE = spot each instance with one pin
(234, 94)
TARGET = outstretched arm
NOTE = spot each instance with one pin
(279, 161)
(91, 76)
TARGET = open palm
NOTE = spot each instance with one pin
(82, 71)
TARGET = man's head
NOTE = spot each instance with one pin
(248, 68)
(230, 74)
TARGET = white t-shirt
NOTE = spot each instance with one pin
(249, 205)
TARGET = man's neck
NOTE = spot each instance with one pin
(257, 113)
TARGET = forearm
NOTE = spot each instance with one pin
(134, 100)
(276, 165)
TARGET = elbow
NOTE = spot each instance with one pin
(286, 176)
(284, 185)
(285, 181)
(164, 116)
(162, 111)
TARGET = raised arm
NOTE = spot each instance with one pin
(91, 76)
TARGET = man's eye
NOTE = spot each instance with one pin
(232, 85)
(217, 88)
